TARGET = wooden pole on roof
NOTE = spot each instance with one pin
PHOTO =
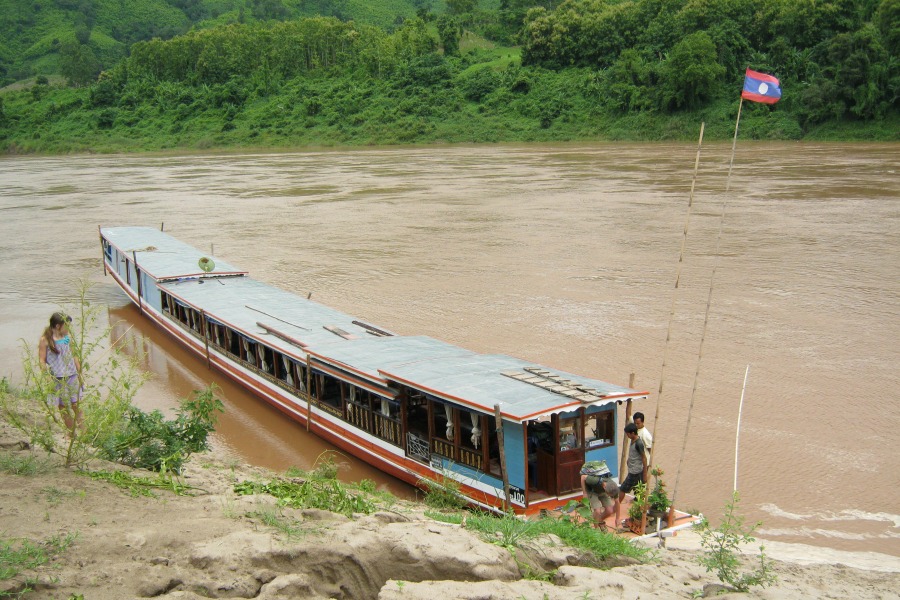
(102, 252)
(308, 392)
(205, 323)
(498, 422)
(137, 274)
(626, 443)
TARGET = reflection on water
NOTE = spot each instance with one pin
(563, 255)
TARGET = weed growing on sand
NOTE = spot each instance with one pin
(273, 518)
(507, 530)
(140, 486)
(721, 550)
(317, 489)
(21, 555)
(455, 518)
(442, 493)
(26, 464)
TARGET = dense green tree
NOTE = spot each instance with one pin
(690, 74)
(460, 7)
(888, 20)
(264, 10)
(449, 31)
(629, 83)
(77, 63)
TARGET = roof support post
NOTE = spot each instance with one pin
(499, 424)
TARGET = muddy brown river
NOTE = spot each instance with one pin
(565, 255)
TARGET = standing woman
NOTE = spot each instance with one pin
(55, 353)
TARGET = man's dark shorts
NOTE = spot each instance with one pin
(632, 480)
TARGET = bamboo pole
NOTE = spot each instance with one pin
(737, 435)
(498, 422)
(626, 443)
(687, 223)
(712, 277)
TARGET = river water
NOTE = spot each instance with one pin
(565, 255)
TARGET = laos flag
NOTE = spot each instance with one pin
(760, 87)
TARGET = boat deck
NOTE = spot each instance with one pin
(682, 520)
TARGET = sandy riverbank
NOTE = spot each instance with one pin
(215, 544)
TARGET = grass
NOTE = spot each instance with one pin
(511, 531)
(442, 494)
(455, 518)
(24, 464)
(17, 555)
(276, 520)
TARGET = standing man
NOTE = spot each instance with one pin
(637, 465)
(643, 432)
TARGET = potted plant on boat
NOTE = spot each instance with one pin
(638, 508)
(659, 497)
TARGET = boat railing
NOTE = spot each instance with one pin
(472, 458)
(387, 429)
(443, 448)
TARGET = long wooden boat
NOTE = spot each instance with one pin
(412, 406)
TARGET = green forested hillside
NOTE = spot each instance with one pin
(256, 73)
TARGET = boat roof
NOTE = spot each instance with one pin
(163, 257)
(523, 390)
(297, 326)
(267, 313)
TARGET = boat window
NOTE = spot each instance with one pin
(330, 393)
(472, 436)
(232, 343)
(266, 360)
(598, 429)
(443, 421)
(570, 434)
(249, 351)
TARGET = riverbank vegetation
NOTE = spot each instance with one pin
(276, 73)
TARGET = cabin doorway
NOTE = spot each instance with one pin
(555, 454)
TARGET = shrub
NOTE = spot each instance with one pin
(148, 441)
(721, 550)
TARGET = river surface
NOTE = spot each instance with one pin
(565, 255)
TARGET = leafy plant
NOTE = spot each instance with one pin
(140, 486)
(721, 550)
(320, 489)
(641, 503)
(659, 497)
(148, 441)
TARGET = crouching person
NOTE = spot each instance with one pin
(601, 491)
